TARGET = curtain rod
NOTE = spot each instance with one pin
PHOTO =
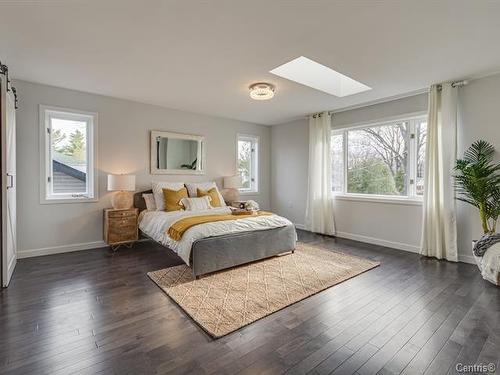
(460, 83)
(457, 84)
(4, 70)
(319, 114)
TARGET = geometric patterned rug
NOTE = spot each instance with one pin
(225, 301)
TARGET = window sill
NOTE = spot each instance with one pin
(68, 200)
(249, 193)
(379, 199)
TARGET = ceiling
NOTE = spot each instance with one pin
(201, 56)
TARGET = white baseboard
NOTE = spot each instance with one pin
(380, 242)
(392, 244)
(397, 245)
(466, 259)
(351, 236)
(59, 249)
(64, 249)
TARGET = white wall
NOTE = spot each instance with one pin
(123, 148)
(289, 160)
(396, 225)
(411, 104)
(393, 225)
(479, 119)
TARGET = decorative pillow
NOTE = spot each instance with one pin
(196, 204)
(150, 202)
(213, 194)
(158, 192)
(192, 190)
(173, 199)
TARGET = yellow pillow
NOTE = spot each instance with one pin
(173, 198)
(212, 193)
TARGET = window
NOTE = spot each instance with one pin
(248, 156)
(383, 159)
(337, 160)
(68, 155)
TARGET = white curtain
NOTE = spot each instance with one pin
(319, 211)
(439, 235)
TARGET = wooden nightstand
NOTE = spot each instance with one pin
(120, 227)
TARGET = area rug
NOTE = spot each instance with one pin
(228, 300)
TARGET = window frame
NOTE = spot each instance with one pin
(91, 118)
(254, 165)
(411, 198)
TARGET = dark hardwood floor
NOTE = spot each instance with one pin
(93, 312)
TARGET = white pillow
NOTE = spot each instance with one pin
(206, 186)
(150, 202)
(158, 192)
(196, 204)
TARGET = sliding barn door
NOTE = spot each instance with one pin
(8, 147)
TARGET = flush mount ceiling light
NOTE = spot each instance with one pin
(310, 73)
(261, 91)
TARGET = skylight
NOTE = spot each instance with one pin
(310, 73)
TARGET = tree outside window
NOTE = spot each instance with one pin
(385, 159)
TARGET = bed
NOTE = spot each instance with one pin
(212, 247)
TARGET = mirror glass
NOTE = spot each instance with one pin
(176, 153)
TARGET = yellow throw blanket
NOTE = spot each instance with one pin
(177, 229)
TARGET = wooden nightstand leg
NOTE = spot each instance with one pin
(128, 245)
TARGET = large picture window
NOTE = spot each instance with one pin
(68, 155)
(247, 160)
(381, 159)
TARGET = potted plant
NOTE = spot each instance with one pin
(477, 182)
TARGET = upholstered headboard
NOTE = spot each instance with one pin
(139, 201)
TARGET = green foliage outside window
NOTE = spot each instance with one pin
(244, 160)
(73, 146)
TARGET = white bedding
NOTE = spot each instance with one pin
(155, 224)
(489, 264)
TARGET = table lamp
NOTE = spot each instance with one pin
(123, 184)
(231, 186)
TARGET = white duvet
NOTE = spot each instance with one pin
(155, 224)
(489, 264)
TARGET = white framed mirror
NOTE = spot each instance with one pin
(175, 153)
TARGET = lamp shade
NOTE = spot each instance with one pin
(232, 182)
(123, 182)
